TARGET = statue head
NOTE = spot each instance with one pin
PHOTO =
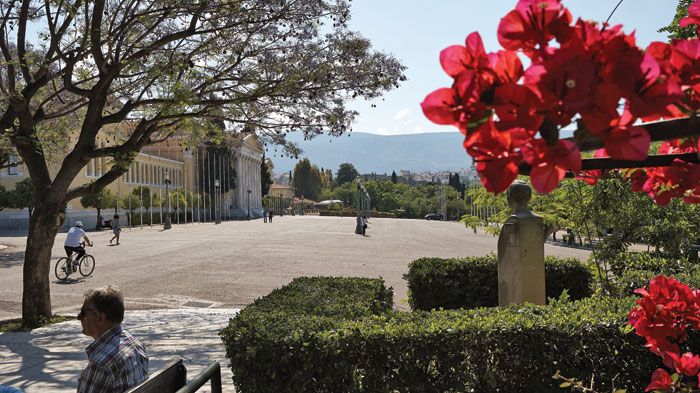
(518, 195)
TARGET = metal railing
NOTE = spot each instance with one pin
(210, 374)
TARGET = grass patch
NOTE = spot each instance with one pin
(15, 325)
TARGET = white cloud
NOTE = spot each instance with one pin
(402, 114)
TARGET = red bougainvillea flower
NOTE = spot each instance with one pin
(660, 380)
(591, 177)
(686, 364)
(693, 17)
(655, 88)
(563, 82)
(660, 315)
(495, 156)
(685, 59)
(506, 66)
(516, 106)
(625, 141)
(680, 180)
(637, 178)
(457, 59)
(532, 24)
(549, 164)
(441, 107)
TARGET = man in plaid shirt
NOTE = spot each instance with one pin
(117, 361)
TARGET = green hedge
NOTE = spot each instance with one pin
(630, 280)
(472, 282)
(646, 261)
(279, 344)
(268, 341)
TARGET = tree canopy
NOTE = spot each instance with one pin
(346, 173)
(306, 180)
(101, 79)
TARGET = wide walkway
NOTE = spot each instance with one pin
(186, 282)
(50, 359)
(231, 264)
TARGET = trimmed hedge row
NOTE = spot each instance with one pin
(267, 341)
(646, 261)
(472, 282)
(278, 344)
(633, 279)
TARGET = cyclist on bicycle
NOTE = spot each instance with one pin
(72, 243)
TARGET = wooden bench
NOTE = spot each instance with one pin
(172, 378)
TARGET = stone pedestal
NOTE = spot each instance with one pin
(521, 252)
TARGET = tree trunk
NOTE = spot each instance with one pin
(36, 295)
(98, 222)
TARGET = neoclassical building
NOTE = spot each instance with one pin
(248, 191)
(216, 177)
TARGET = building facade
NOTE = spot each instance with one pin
(212, 184)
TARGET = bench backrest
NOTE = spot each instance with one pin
(168, 379)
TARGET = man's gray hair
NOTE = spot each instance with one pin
(108, 300)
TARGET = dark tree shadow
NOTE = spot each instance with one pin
(11, 258)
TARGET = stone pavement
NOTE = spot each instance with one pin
(50, 359)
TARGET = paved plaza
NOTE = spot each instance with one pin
(232, 264)
(202, 273)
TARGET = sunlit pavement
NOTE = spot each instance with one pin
(186, 282)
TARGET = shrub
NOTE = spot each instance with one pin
(630, 280)
(506, 349)
(276, 343)
(473, 281)
(649, 262)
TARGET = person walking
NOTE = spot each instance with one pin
(269, 217)
(358, 226)
(364, 225)
(116, 229)
(264, 215)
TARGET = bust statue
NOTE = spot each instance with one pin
(521, 251)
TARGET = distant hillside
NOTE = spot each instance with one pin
(441, 151)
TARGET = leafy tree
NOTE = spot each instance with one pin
(143, 195)
(130, 203)
(675, 31)
(307, 180)
(326, 178)
(138, 72)
(6, 153)
(21, 197)
(103, 199)
(394, 179)
(346, 173)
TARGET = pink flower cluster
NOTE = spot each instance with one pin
(663, 315)
(596, 74)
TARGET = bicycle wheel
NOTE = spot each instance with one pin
(61, 269)
(87, 265)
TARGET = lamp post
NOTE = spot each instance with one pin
(217, 211)
(167, 224)
(248, 204)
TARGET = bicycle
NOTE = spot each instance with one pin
(65, 266)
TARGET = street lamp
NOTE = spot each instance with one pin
(248, 204)
(167, 224)
(217, 210)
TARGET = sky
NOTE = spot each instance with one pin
(415, 31)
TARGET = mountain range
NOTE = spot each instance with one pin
(435, 152)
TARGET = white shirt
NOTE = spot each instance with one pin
(74, 236)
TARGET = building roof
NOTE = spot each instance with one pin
(280, 186)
